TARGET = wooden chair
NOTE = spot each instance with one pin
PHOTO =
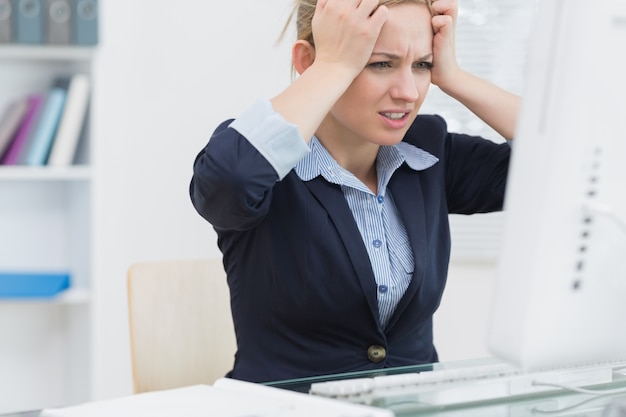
(181, 329)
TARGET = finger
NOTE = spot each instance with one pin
(445, 7)
(320, 5)
(379, 16)
(441, 23)
(367, 7)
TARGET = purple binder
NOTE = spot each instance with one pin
(12, 155)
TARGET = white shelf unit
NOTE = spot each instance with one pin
(46, 225)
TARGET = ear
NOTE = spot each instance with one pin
(303, 55)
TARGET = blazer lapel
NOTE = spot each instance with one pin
(407, 194)
(333, 200)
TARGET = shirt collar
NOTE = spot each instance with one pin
(320, 162)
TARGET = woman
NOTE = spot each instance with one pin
(331, 200)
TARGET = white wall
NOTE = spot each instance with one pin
(460, 324)
(167, 73)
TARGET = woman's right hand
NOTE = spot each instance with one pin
(345, 32)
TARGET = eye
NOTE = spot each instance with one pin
(381, 65)
(423, 65)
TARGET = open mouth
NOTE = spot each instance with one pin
(395, 116)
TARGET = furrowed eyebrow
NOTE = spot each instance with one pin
(391, 56)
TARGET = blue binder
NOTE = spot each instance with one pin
(29, 21)
(85, 18)
(32, 285)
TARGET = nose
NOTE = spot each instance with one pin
(405, 86)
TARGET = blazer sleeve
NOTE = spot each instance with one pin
(475, 169)
(232, 182)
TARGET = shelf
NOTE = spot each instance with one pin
(45, 173)
(70, 297)
(47, 223)
(46, 53)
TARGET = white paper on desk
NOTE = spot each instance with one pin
(226, 398)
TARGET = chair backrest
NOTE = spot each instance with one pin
(181, 328)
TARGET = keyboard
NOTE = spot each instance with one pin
(463, 385)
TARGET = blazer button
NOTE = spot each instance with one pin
(376, 353)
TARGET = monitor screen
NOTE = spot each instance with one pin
(560, 291)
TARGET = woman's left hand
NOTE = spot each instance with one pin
(444, 54)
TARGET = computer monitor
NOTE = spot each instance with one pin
(560, 291)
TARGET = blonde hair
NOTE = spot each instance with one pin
(304, 10)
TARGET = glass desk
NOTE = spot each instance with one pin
(553, 403)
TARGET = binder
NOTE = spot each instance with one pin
(30, 132)
(28, 21)
(71, 123)
(37, 152)
(32, 285)
(6, 21)
(85, 22)
(11, 157)
(10, 123)
(58, 21)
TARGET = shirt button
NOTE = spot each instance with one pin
(376, 353)
(381, 199)
(383, 289)
(377, 243)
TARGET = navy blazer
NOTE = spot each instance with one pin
(303, 293)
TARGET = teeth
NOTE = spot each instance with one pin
(394, 116)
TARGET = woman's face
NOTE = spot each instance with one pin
(383, 100)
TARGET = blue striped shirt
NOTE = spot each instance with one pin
(376, 216)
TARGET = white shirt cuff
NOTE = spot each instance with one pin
(277, 140)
